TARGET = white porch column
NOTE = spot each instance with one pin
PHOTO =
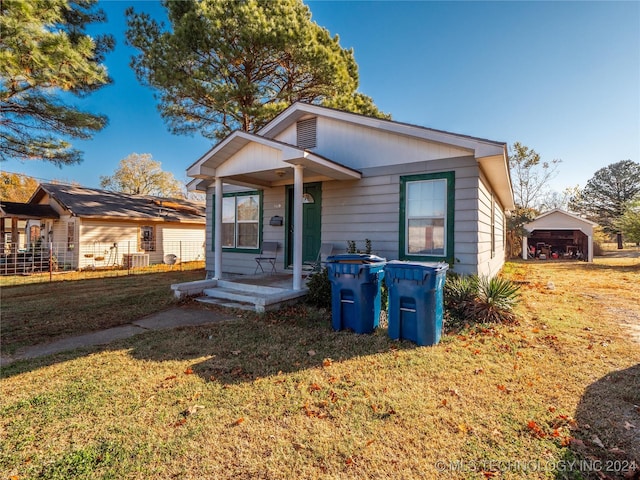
(298, 183)
(525, 248)
(590, 248)
(217, 238)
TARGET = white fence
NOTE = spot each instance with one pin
(43, 261)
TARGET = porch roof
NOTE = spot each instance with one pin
(268, 165)
(27, 211)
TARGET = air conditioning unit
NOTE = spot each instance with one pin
(135, 260)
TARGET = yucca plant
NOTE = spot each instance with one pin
(495, 299)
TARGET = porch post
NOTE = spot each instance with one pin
(525, 248)
(297, 226)
(217, 238)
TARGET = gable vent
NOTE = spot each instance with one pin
(306, 133)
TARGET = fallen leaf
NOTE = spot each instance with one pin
(180, 422)
(311, 353)
(236, 352)
(369, 442)
(298, 446)
(454, 393)
(535, 429)
(489, 474)
(239, 421)
(212, 378)
(327, 362)
(628, 426)
(566, 441)
(552, 409)
(171, 377)
(314, 387)
(576, 442)
(349, 461)
(478, 371)
(444, 402)
(464, 428)
(188, 371)
(192, 410)
(596, 441)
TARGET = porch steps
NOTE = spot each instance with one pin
(244, 296)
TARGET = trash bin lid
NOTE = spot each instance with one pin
(431, 266)
(414, 271)
(355, 258)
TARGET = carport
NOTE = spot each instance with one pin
(559, 234)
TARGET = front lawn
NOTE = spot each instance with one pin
(43, 312)
(283, 396)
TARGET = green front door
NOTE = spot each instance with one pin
(311, 223)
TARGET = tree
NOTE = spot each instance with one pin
(45, 55)
(16, 187)
(554, 199)
(529, 178)
(605, 197)
(530, 175)
(230, 64)
(139, 174)
(629, 222)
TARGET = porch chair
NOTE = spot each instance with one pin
(326, 249)
(268, 254)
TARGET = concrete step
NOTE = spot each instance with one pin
(235, 294)
(227, 303)
(248, 287)
(250, 297)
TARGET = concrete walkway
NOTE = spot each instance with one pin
(168, 319)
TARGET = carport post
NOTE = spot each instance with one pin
(525, 248)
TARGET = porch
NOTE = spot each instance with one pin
(286, 173)
(259, 293)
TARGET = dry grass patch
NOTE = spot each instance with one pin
(283, 396)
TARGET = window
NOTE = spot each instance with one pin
(493, 226)
(34, 234)
(241, 220)
(71, 236)
(306, 133)
(426, 216)
(147, 238)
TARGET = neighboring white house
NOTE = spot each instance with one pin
(99, 228)
(316, 175)
(559, 234)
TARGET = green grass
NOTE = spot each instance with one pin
(283, 396)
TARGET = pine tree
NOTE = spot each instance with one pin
(45, 55)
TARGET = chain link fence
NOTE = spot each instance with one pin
(47, 262)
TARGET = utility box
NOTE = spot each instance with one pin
(356, 281)
(416, 300)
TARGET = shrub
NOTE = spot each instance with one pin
(319, 289)
(495, 300)
(472, 299)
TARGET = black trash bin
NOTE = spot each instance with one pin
(356, 280)
(416, 300)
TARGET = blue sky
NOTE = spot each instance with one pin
(561, 77)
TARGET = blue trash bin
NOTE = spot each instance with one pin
(416, 300)
(355, 291)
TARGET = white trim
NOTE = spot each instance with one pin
(298, 186)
